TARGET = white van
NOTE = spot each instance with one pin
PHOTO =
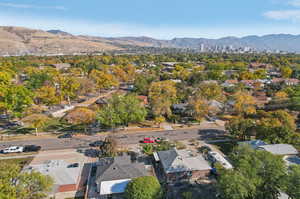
(13, 149)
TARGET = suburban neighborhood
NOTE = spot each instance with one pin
(116, 126)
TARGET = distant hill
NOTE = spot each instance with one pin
(21, 41)
(59, 32)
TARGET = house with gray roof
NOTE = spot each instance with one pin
(182, 165)
(279, 149)
(113, 174)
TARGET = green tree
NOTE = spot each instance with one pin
(276, 127)
(15, 184)
(122, 110)
(14, 99)
(143, 82)
(257, 175)
(146, 187)
(187, 195)
(241, 128)
(292, 186)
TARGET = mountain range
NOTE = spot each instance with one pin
(22, 41)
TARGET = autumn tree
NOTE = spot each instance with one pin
(125, 73)
(36, 121)
(199, 107)
(68, 87)
(80, 116)
(286, 71)
(103, 80)
(162, 95)
(210, 91)
(46, 95)
(244, 104)
(87, 86)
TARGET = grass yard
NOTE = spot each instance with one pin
(20, 161)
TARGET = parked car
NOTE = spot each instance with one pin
(67, 135)
(97, 143)
(13, 149)
(31, 148)
(74, 165)
(148, 140)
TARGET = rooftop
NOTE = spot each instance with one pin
(182, 160)
(118, 168)
(58, 170)
(280, 149)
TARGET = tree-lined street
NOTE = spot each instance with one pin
(205, 133)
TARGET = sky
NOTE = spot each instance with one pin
(161, 19)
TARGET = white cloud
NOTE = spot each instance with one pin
(293, 15)
(30, 6)
(295, 3)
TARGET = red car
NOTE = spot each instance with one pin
(148, 140)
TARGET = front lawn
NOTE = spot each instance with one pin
(20, 161)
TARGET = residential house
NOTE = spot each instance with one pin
(216, 157)
(113, 175)
(182, 165)
(279, 149)
(66, 176)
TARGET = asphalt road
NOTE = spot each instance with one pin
(207, 133)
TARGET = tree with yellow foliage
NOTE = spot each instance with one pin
(162, 95)
(46, 95)
(103, 80)
(36, 121)
(244, 103)
(281, 95)
(199, 107)
(81, 116)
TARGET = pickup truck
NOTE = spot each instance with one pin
(13, 149)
